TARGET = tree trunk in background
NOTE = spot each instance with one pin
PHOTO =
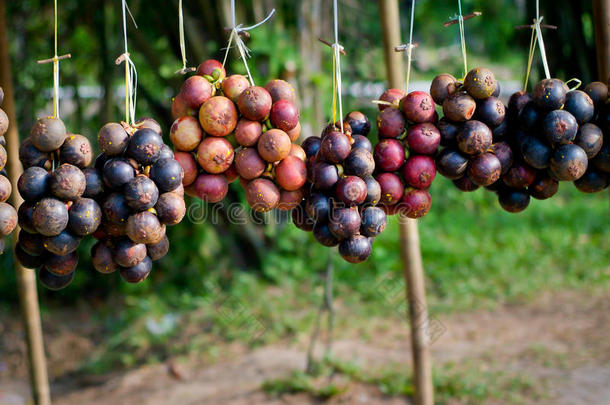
(601, 16)
(26, 279)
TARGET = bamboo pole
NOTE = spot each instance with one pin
(409, 236)
(26, 279)
(601, 16)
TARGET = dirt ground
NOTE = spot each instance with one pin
(561, 342)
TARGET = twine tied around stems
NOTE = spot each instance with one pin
(408, 47)
(55, 59)
(131, 74)
(460, 21)
(184, 69)
(337, 50)
(236, 32)
(536, 38)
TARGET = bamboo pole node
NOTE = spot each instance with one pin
(456, 20)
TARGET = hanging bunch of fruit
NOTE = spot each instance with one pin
(8, 215)
(139, 184)
(341, 206)
(58, 209)
(404, 155)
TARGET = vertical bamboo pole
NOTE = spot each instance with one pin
(409, 236)
(26, 279)
(601, 16)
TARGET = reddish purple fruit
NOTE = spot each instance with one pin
(465, 184)
(415, 203)
(185, 133)
(356, 249)
(195, 91)
(284, 115)
(254, 103)
(504, 153)
(459, 107)
(212, 68)
(218, 116)
(234, 85)
(290, 200)
(144, 227)
(391, 123)
(249, 164)
(262, 195)
(335, 147)
(474, 138)
(274, 145)
(485, 169)
(281, 90)
(291, 173)
(389, 155)
(419, 171)
(519, 175)
(351, 190)
(247, 132)
(392, 96)
(211, 188)
(423, 139)
(215, 155)
(392, 188)
(418, 106)
(344, 222)
(451, 163)
(170, 208)
(324, 175)
(543, 187)
(187, 161)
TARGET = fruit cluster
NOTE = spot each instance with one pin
(404, 155)
(58, 209)
(341, 206)
(8, 215)
(139, 184)
(225, 128)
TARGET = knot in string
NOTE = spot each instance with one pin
(538, 29)
(236, 30)
(131, 74)
(337, 88)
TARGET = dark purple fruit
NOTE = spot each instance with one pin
(362, 142)
(61, 265)
(25, 215)
(480, 83)
(102, 258)
(418, 107)
(543, 187)
(392, 188)
(50, 216)
(474, 138)
(568, 162)
(301, 219)
(335, 147)
(560, 127)
(520, 175)
(67, 182)
(374, 221)
(157, 251)
(27, 260)
(324, 175)
(485, 169)
(145, 146)
(359, 162)
(254, 103)
(580, 105)
(85, 216)
(144, 227)
(355, 249)
(100, 161)
(423, 139)
(62, 244)
(419, 171)
(602, 160)
(141, 193)
(451, 163)
(137, 273)
(443, 86)
(344, 222)
(449, 131)
(170, 208)
(48, 134)
(513, 200)
(77, 151)
(592, 181)
(31, 243)
(52, 281)
(504, 153)
(148, 122)
(598, 92)
(516, 102)
(166, 152)
(415, 203)
(373, 191)
(465, 184)
(117, 172)
(33, 184)
(311, 145)
(550, 94)
(530, 118)
(115, 208)
(318, 207)
(536, 152)
(391, 123)
(30, 156)
(351, 190)
(127, 253)
(491, 111)
(389, 155)
(501, 131)
(94, 187)
(323, 235)
(359, 123)
(590, 138)
(262, 195)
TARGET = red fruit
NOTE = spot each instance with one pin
(295, 132)
(290, 199)
(185, 133)
(218, 116)
(179, 107)
(351, 190)
(423, 139)
(247, 132)
(391, 123)
(335, 147)
(195, 91)
(187, 161)
(213, 68)
(389, 155)
(284, 115)
(392, 188)
(248, 163)
(215, 155)
(280, 90)
(418, 106)
(262, 195)
(231, 173)
(415, 203)
(211, 188)
(419, 171)
(296, 150)
(391, 96)
(234, 85)
(291, 173)
(274, 145)
(254, 103)
(520, 175)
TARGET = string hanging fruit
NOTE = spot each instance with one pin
(8, 215)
